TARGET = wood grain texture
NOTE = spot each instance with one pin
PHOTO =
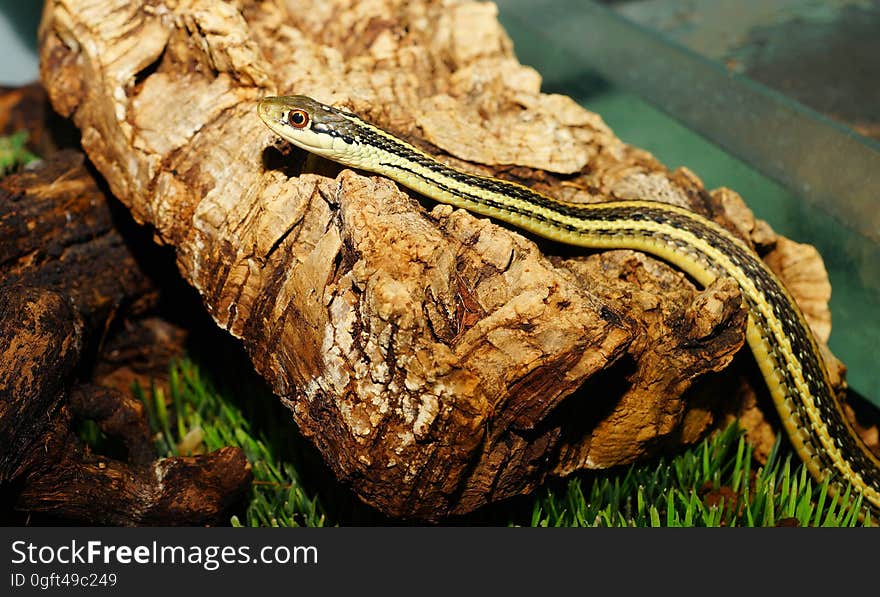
(68, 278)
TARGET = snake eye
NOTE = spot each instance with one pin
(298, 118)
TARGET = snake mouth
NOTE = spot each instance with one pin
(271, 110)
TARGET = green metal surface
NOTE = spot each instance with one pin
(850, 257)
(824, 54)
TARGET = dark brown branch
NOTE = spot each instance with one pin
(67, 279)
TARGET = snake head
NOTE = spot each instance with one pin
(309, 124)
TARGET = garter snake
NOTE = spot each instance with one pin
(779, 336)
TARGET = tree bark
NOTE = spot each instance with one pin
(438, 361)
(66, 278)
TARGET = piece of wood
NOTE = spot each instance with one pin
(40, 344)
(67, 277)
(437, 360)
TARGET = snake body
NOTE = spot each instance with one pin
(783, 345)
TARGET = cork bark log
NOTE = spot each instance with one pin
(439, 361)
(67, 279)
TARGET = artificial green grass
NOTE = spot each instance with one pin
(195, 417)
(714, 483)
(708, 485)
(13, 152)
